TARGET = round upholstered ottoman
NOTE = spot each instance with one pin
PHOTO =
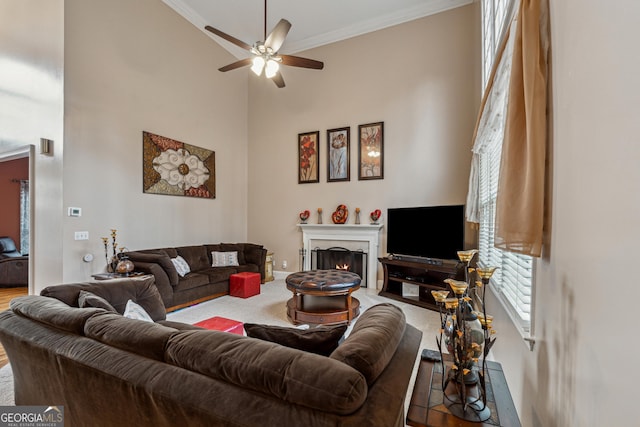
(323, 297)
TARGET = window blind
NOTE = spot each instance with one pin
(514, 277)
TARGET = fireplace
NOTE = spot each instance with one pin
(355, 237)
(339, 258)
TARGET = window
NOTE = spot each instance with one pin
(514, 277)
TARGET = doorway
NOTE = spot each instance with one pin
(16, 179)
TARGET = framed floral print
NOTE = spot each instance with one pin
(308, 159)
(176, 168)
(370, 151)
(338, 163)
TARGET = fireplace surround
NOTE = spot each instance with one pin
(365, 237)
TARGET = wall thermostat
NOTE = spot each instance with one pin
(75, 211)
(87, 258)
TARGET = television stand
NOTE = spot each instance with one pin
(427, 274)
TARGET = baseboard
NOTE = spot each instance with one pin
(281, 275)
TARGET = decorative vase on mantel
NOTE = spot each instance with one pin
(375, 216)
(340, 215)
(304, 216)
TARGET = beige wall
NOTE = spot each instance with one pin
(420, 78)
(582, 371)
(133, 67)
(31, 107)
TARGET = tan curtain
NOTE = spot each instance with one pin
(520, 199)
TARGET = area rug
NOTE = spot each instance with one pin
(269, 307)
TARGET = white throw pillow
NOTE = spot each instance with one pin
(182, 267)
(224, 259)
(135, 311)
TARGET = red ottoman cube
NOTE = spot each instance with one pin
(222, 324)
(244, 285)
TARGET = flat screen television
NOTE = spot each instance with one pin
(426, 232)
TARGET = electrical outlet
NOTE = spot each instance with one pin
(284, 264)
(82, 235)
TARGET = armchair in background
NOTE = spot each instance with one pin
(14, 267)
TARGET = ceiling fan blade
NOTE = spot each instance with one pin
(278, 80)
(296, 61)
(237, 64)
(278, 34)
(227, 37)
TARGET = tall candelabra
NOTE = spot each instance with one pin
(467, 332)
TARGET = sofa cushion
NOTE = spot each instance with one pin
(294, 376)
(118, 292)
(159, 257)
(134, 311)
(235, 247)
(253, 254)
(224, 259)
(196, 256)
(179, 325)
(53, 312)
(219, 274)
(136, 336)
(172, 252)
(247, 268)
(373, 340)
(89, 299)
(321, 340)
(181, 266)
(192, 280)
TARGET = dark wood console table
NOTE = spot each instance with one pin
(428, 276)
(427, 410)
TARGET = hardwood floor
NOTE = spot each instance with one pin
(6, 295)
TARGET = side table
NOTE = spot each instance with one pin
(426, 408)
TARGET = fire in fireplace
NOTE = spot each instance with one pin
(340, 259)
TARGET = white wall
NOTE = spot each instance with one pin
(582, 371)
(420, 78)
(138, 66)
(31, 107)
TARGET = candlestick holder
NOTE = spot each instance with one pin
(467, 335)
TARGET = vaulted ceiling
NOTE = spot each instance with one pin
(314, 23)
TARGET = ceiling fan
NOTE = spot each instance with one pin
(265, 53)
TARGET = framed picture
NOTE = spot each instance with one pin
(308, 158)
(370, 151)
(176, 168)
(338, 164)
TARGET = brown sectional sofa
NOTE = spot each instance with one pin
(204, 281)
(108, 370)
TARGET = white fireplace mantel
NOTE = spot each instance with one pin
(368, 233)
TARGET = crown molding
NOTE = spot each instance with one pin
(358, 28)
(398, 17)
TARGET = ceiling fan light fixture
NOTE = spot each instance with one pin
(271, 68)
(258, 65)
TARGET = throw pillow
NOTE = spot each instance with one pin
(322, 340)
(182, 267)
(88, 299)
(224, 259)
(135, 311)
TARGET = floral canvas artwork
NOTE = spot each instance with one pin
(338, 154)
(175, 168)
(308, 157)
(370, 151)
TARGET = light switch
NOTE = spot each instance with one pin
(82, 235)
